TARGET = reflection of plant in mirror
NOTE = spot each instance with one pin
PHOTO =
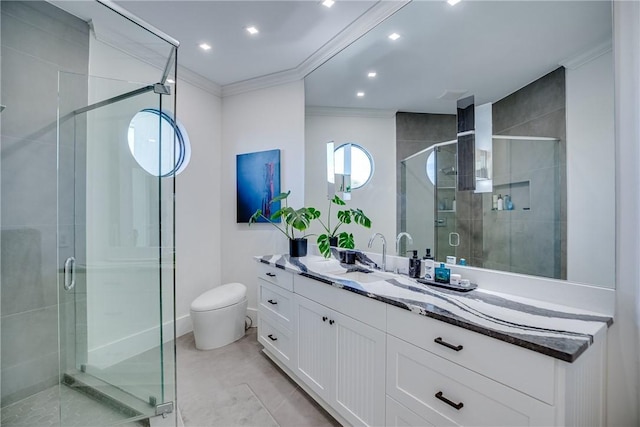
(294, 219)
(346, 216)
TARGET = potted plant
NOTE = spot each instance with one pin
(331, 237)
(294, 219)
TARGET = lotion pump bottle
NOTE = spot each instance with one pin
(500, 202)
(427, 261)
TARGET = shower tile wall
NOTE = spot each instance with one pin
(414, 133)
(37, 40)
(537, 109)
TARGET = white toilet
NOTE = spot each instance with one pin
(218, 316)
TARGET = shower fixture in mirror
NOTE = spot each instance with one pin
(543, 71)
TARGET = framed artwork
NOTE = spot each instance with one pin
(257, 182)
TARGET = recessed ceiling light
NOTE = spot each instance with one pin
(170, 81)
(453, 2)
(394, 36)
(204, 46)
(372, 74)
(360, 94)
(252, 30)
(328, 3)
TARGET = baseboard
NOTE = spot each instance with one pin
(117, 351)
(183, 325)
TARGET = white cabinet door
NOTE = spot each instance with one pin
(360, 371)
(342, 360)
(315, 346)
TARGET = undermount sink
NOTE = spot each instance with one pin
(362, 277)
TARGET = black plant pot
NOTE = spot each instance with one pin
(333, 242)
(297, 247)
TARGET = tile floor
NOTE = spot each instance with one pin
(237, 385)
(78, 410)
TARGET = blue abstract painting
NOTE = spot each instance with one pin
(258, 181)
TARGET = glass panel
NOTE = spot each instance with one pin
(445, 200)
(121, 235)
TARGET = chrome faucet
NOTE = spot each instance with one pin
(400, 235)
(384, 248)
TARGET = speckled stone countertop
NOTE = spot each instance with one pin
(551, 329)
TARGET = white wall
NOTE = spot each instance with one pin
(623, 397)
(378, 198)
(591, 172)
(256, 121)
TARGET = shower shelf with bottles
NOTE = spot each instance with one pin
(519, 192)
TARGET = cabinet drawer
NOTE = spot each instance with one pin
(432, 387)
(400, 416)
(366, 310)
(275, 339)
(530, 372)
(277, 302)
(277, 276)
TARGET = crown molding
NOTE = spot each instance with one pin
(362, 25)
(579, 60)
(195, 79)
(262, 82)
(349, 112)
(358, 28)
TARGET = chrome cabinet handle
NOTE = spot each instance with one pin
(271, 274)
(272, 302)
(69, 274)
(458, 406)
(272, 338)
(440, 341)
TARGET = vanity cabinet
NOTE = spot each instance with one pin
(342, 360)
(371, 363)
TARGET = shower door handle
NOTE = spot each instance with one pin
(69, 273)
(454, 239)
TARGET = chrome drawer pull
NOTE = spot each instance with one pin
(271, 274)
(458, 406)
(446, 344)
(272, 302)
(272, 338)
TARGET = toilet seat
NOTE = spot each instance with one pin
(220, 297)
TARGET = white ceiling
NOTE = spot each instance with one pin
(488, 48)
(290, 32)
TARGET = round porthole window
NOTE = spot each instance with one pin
(361, 164)
(159, 143)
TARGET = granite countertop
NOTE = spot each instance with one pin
(551, 329)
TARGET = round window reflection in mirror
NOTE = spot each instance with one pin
(158, 143)
(361, 164)
(431, 167)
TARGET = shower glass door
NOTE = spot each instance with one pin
(447, 239)
(115, 249)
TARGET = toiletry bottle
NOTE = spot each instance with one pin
(443, 274)
(414, 265)
(494, 205)
(453, 205)
(500, 202)
(427, 260)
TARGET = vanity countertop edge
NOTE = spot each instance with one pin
(554, 330)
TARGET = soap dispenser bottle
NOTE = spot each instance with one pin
(414, 265)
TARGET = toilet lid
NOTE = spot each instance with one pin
(220, 297)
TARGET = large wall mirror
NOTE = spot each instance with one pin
(546, 69)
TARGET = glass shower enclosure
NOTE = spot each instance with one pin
(526, 235)
(116, 250)
(88, 244)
